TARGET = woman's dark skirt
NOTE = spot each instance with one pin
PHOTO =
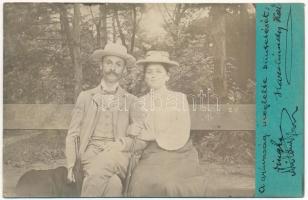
(162, 173)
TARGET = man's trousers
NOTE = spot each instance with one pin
(103, 172)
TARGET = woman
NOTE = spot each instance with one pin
(169, 164)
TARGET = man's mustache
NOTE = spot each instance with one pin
(112, 72)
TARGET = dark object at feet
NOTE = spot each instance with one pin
(46, 183)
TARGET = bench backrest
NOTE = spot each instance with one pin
(58, 116)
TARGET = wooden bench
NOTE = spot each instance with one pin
(205, 117)
(58, 116)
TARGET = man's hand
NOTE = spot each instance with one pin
(134, 129)
(70, 175)
(118, 145)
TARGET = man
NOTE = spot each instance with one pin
(100, 119)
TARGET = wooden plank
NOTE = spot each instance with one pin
(223, 117)
(36, 116)
(58, 116)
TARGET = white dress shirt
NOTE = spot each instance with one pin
(167, 118)
(108, 99)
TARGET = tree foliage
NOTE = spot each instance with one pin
(47, 48)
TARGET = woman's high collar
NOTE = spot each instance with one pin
(160, 91)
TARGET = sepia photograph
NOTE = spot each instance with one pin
(129, 100)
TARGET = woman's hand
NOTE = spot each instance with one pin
(134, 129)
(70, 175)
(147, 135)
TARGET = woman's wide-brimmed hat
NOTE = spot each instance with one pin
(113, 49)
(158, 57)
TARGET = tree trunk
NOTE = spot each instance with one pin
(103, 15)
(178, 14)
(114, 34)
(76, 51)
(246, 57)
(97, 27)
(132, 44)
(122, 37)
(66, 30)
(98, 35)
(67, 40)
(219, 33)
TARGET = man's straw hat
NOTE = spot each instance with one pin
(113, 49)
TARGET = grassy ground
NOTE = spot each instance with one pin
(37, 150)
(37, 146)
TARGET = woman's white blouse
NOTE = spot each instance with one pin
(167, 118)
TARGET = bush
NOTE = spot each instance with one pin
(227, 147)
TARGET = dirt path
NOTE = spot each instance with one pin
(237, 181)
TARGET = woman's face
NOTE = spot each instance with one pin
(156, 75)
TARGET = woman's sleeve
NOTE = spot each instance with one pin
(137, 115)
(176, 134)
(146, 134)
(186, 114)
(182, 123)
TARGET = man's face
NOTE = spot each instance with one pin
(112, 68)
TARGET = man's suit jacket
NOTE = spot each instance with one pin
(83, 116)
